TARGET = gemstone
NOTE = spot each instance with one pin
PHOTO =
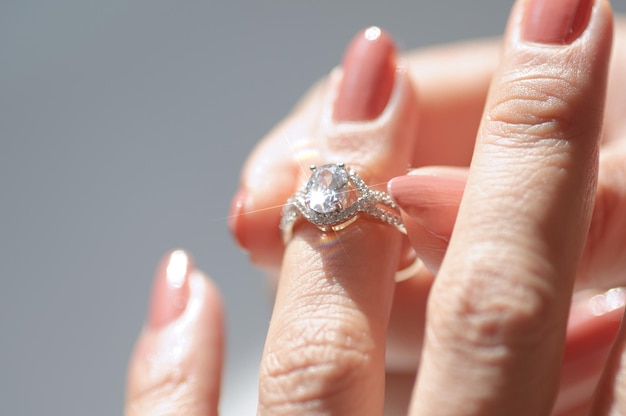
(327, 189)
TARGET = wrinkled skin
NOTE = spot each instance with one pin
(538, 213)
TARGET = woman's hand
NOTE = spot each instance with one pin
(498, 309)
(442, 123)
(495, 328)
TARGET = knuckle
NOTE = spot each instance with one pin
(532, 108)
(491, 316)
(316, 360)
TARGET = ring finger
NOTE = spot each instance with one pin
(325, 349)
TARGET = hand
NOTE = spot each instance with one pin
(450, 108)
(447, 113)
(176, 366)
(497, 312)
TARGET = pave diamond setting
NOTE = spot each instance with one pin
(333, 198)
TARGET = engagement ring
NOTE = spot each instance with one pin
(333, 198)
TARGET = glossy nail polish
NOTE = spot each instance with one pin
(555, 21)
(170, 290)
(369, 67)
(432, 201)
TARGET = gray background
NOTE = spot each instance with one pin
(123, 126)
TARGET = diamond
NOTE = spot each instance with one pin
(327, 189)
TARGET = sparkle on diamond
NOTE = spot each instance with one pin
(327, 188)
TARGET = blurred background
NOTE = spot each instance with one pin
(123, 127)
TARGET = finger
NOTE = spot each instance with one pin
(615, 117)
(498, 309)
(275, 168)
(405, 331)
(272, 170)
(453, 81)
(430, 199)
(604, 259)
(444, 96)
(176, 364)
(269, 177)
(593, 323)
(325, 350)
(610, 396)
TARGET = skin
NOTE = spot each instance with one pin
(492, 328)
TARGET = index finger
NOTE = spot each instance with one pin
(498, 309)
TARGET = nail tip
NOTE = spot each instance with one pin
(178, 266)
(170, 288)
(555, 23)
(369, 71)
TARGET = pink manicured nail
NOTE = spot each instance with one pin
(234, 216)
(369, 68)
(555, 21)
(171, 289)
(433, 201)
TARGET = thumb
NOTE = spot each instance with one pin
(176, 365)
(429, 198)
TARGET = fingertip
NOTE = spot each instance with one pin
(170, 289)
(593, 323)
(176, 368)
(369, 67)
(253, 221)
(592, 329)
(430, 203)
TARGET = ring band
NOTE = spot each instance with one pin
(333, 198)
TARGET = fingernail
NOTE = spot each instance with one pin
(433, 201)
(594, 322)
(607, 302)
(171, 289)
(369, 68)
(234, 216)
(555, 21)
